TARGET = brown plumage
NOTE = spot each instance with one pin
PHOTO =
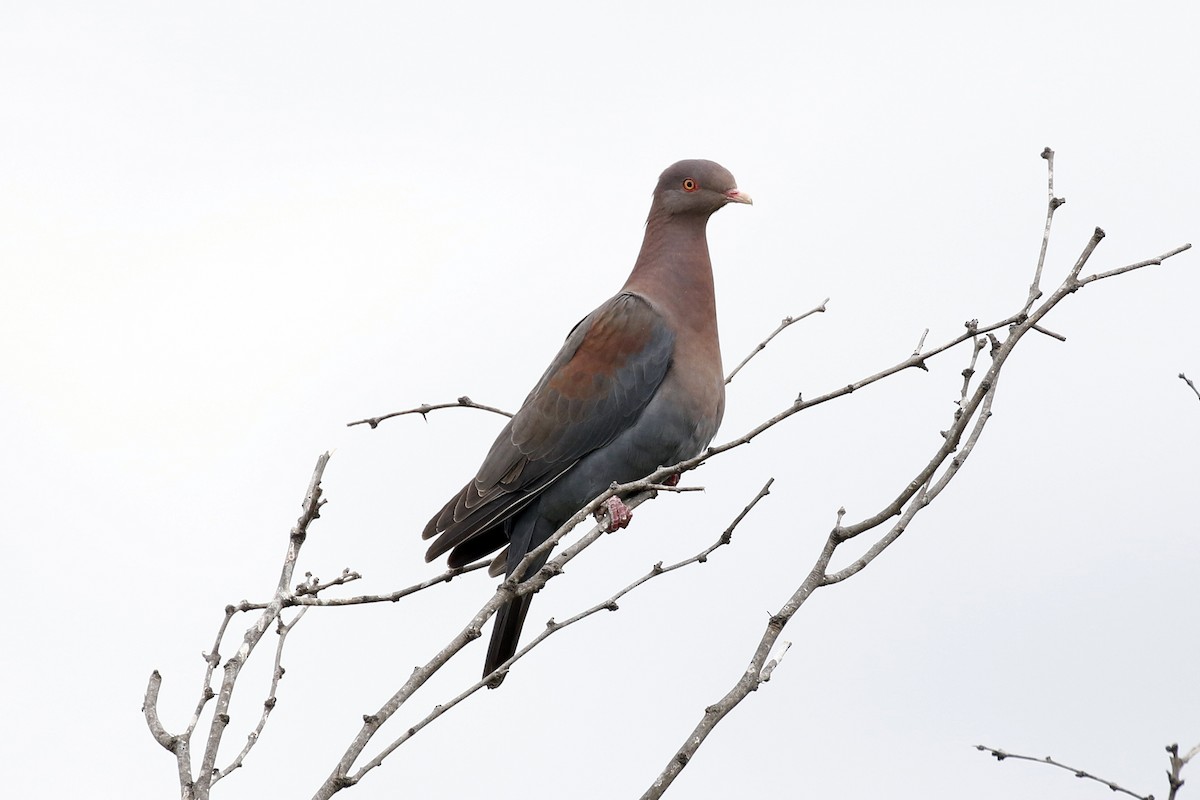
(637, 385)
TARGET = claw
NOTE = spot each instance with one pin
(613, 515)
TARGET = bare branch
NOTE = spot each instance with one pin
(181, 745)
(1188, 381)
(1178, 762)
(664, 487)
(981, 419)
(818, 576)
(511, 588)
(1001, 755)
(968, 373)
(973, 412)
(313, 587)
(211, 659)
(1052, 205)
(920, 344)
(268, 704)
(553, 627)
(920, 490)
(177, 745)
(311, 510)
(1151, 262)
(425, 408)
(1050, 333)
(341, 775)
(150, 710)
(365, 599)
(1097, 236)
(750, 678)
(770, 666)
(199, 788)
(637, 493)
(787, 322)
(925, 494)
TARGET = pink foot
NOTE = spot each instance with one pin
(613, 515)
(672, 481)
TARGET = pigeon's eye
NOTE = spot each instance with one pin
(690, 185)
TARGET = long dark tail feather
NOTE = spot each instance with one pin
(505, 634)
(524, 533)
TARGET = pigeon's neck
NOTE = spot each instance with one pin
(673, 268)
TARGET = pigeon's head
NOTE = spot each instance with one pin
(697, 186)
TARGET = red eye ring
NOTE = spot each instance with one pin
(690, 185)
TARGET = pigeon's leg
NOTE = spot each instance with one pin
(613, 515)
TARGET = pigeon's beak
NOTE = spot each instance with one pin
(736, 196)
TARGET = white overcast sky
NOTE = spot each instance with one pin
(226, 229)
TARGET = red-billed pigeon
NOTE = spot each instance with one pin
(637, 385)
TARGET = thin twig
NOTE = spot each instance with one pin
(1150, 262)
(313, 587)
(1178, 762)
(968, 373)
(211, 659)
(364, 599)
(920, 342)
(1052, 204)
(1097, 236)
(787, 322)
(924, 496)
(929, 490)
(1001, 755)
(663, 487)
(425, 408)
(180, 746)
(1188, 381)
(1049, 333)
(769, 668)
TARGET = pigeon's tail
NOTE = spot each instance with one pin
(507, 631)
(524, 534)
